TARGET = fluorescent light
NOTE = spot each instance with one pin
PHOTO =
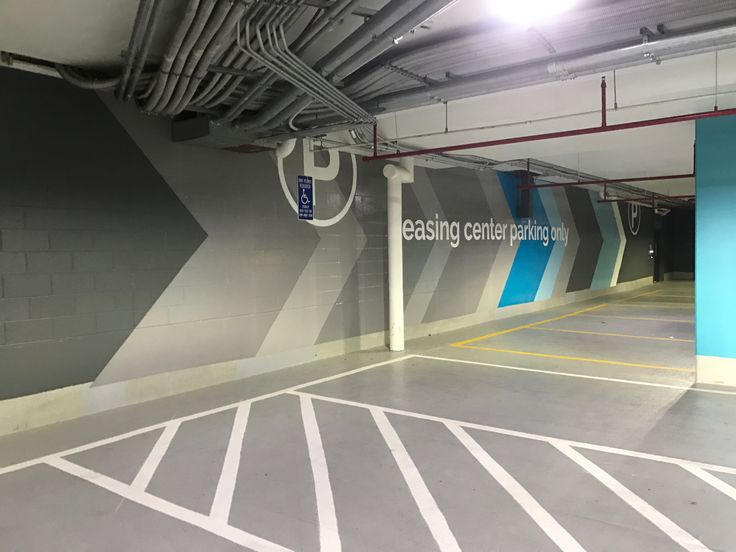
(528, 12)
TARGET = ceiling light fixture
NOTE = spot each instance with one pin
(528, 12)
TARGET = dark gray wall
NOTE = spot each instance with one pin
(678, 248)
(90, 235)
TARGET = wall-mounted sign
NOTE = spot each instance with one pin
(305, 197)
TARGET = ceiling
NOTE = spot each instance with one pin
(423, 63)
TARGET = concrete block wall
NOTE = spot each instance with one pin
(125, 256)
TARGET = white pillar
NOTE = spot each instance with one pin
(396, 177)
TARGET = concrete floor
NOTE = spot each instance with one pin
(572, 429)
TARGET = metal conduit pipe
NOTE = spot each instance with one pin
(142, 56)
(535, 73)
(70, 75)
(170, 55)
(646, 52)
(273, 52)
(338, 10)
(383, 42)
(211, 28)
(374, 27)
(409, 20)
(274, 58)
(141, 20)
(215, 46)
(204, 9)
(281, 49)
(288, 19)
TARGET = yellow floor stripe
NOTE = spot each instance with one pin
(635, 296)
(654, 305)
(652, 319)
(578, 359)
(527, 326)
(583, 332)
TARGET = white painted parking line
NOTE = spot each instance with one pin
(223, 500)
(228, 532)
(195, 416)
(657, 518)
(524, 435)
(559, 535)
(581, 376)
(431, 513)
(145, 474)
(329, 536)
(713, 481)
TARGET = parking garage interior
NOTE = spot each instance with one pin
(367, 275)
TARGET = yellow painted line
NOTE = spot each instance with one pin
(583, 332)
(578, 359)
(651, 319)
(527, 326)
(640, 295)
(654, 305)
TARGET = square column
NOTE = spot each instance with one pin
(715, 251)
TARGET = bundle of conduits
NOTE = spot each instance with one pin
(232, 60)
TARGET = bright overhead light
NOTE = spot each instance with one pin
(528, 12)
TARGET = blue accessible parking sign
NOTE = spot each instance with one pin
(305, 197)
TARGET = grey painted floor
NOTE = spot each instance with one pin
(572, 429)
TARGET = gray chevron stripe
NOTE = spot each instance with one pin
(425, 287)
(563, 277)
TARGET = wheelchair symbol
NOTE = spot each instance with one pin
(305, 198)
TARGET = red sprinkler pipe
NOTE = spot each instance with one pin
(603, 103)
(560, 134)
(609, 181)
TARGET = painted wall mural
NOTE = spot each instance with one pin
(125, 255)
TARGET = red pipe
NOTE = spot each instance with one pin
(610, 181)
(560, 134)
(603, 103)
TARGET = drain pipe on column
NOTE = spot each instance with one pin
(396, 176)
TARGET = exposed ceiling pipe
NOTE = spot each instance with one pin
(608, 181)
(560, 134)
(236, 59)
(366, 33)
(212, 27)
(378, 30)
(537, 73)
(281, 14)
(139, 24)
(142, 56)
(215, 46)
(646, 52)
(391, 36)
(171, 55)
(70, 75)
(204, 9)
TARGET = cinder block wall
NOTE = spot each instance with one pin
(124, 255)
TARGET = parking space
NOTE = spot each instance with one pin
(450, 447)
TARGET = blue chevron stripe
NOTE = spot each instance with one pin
(532, 257)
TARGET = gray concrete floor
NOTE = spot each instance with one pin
(572, 429)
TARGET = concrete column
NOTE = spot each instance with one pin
(715, 256)
(396, 177)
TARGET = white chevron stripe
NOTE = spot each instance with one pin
(621, 244)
